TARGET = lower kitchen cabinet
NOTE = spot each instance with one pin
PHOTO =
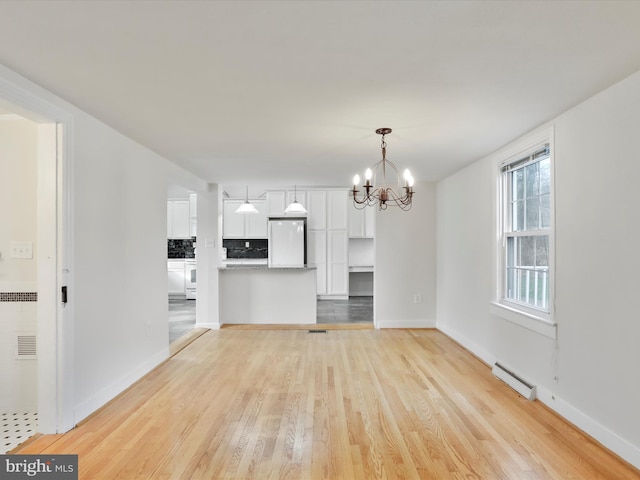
(327, 252)
(317, 257)
(337, 263)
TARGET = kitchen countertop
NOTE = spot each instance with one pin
(263, 267)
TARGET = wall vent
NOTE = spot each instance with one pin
(26, 347)
(521, 386)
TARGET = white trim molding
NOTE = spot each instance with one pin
(626, 450)
(526, 320)
(101, 398)
(210, 326)
(407, 324)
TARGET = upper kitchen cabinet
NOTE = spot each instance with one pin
(278, 200)
(361, 222)
(276, 203)
(178, 219)
(193, 214)
(243, 225)
(337, 206)
(317, 210)
(256, 226)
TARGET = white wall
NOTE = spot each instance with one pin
(209, 242)
(117, 266)
(590, 374)
(18, 164)
(120, 276)
(405, 263)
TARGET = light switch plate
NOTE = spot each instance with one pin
(22, 250)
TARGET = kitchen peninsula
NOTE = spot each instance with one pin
(259, 294)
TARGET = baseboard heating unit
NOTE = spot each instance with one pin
(521, 386)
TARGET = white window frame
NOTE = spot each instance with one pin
(537, 320)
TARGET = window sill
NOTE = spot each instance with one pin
(529, 321)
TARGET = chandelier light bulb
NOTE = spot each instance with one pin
(410, 181)
(356, 180)
(407, 174)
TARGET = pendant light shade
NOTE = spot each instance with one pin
(295, 206)
(247, 207)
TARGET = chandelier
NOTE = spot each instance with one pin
(383, 195)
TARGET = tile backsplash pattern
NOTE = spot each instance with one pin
(258, 248)
(18, 296)
(181, 248)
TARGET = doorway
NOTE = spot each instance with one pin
(181, 260)
(31, 265)
(29, 276)
(19, 279)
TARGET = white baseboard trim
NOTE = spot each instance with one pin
(210, 326)
(86, 408)
(406, 324)
(473, 347)
(333, 297)
(603, 435)
(609, 439)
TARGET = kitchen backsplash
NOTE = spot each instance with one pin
(258, 248)
(181, 248)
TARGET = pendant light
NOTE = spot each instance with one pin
(247, 207)
(295, 206)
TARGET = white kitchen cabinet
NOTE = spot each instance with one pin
(256, 226)
(317, 257)
(337, 209)
(317, 210)
(327, 244)
(276, 203)
(337, 263)
(243, 225)
(176, 277)
(232, 222)
(279, 200)
(178, 219)
(361, 221)
(193, 214)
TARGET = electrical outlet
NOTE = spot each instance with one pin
(246, 244)
(22, 250)
(417, 298)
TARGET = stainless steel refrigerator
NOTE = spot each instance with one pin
(287, 242)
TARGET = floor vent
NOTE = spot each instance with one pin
(521, 386)
(26, 347)
(317, 331)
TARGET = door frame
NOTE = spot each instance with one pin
(56, 402)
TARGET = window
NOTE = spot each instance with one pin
(527, 227)
(526, 236)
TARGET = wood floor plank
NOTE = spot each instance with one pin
(364, 404)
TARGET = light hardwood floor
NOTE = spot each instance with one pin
(362, 404)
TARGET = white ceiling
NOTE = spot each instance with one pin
(288, 92)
